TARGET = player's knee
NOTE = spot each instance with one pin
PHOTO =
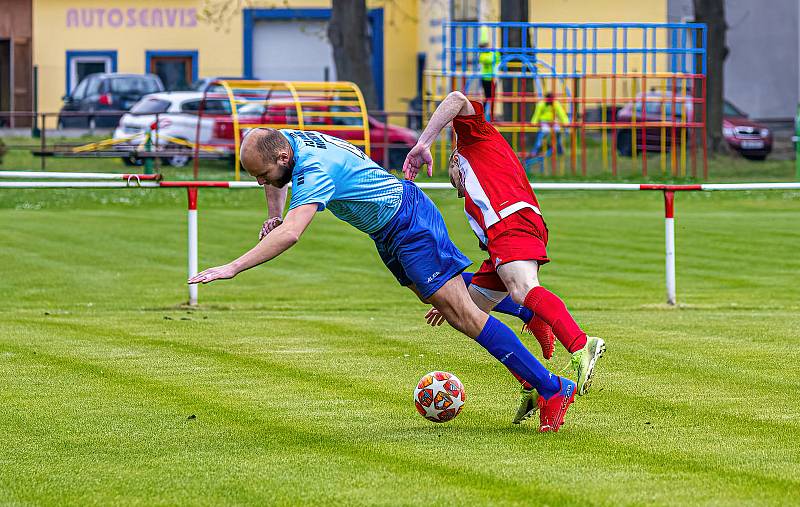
(520, 288)
(481, 300)
(465, 320)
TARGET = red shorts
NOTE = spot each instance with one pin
(521, 236)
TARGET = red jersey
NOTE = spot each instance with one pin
(494, 180)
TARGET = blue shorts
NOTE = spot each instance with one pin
(415, 245)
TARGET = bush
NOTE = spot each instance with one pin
(2, 150)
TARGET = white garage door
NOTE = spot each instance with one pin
(292, 51)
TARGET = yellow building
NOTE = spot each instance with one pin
(183, 40)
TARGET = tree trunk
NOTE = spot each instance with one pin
(712, 13)
(515, 11)
(352, 53)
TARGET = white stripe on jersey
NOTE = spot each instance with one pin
(518, 206)
(476, 228)
(476, 193)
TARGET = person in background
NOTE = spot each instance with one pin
(488, 61)
(550, 117)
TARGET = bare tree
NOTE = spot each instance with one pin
(712, 13)
(348, 33)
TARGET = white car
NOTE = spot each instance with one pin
(177, 119)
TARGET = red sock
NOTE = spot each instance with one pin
(552, 310)
(544, 335)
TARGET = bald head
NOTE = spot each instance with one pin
(267, 155)
(262, 146)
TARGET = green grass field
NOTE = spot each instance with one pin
(292, 384)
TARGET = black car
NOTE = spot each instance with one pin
(105, 92)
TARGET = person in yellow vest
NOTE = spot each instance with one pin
(550, 117)
(488, 61)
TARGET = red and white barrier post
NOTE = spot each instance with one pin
(669, 235)
(147, 181)
(192, 227)
(40, 175)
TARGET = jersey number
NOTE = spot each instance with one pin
(344, 145)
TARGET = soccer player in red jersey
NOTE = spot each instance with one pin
(504, 213)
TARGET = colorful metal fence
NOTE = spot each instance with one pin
(332, 107)
(626, 89)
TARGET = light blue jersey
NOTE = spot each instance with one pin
(335, 174)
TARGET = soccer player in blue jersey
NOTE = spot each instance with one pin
(408, 230)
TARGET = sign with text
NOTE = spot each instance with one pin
(162, 17)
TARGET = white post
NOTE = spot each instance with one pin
(192, 223)
(669, 219)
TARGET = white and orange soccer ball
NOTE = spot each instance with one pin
(439, 396)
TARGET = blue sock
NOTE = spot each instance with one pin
(507, 305)
(501, 342)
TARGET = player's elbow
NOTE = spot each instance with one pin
(291, 237)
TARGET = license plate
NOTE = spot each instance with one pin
(752, 145)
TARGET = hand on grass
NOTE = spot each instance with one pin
(217, 273)
(269, 225)
(418, 156)
(434, 318)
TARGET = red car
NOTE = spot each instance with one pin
(383, 136)
(751, 139)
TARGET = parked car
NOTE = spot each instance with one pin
(205, 83)
(177, 118)
(753, 140)
(105, 92)
(398, 140)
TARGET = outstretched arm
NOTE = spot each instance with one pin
(455, 104)
(280, 240)
(276, 202)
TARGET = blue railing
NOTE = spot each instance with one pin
(569, 50)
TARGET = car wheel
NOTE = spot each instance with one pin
(177, 160)
(624, 145)
(132, 161)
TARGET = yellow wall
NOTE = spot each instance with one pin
(598, 11)
(219, 53)
(606, 11)
(400, 48)
(593, 11)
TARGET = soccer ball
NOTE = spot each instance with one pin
(439, 396)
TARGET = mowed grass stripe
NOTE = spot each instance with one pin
(716, 468)
(250, 424)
